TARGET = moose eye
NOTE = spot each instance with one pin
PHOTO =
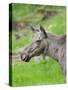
(37, 30)
(38, 41)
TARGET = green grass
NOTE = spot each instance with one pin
(32, 73)
(43, 72)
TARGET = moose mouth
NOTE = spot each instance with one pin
(25, 58)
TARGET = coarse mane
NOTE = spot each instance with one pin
(59, 39)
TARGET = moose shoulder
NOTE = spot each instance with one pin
(47, 44)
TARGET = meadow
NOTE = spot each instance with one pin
(44, 72)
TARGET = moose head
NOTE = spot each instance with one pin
(38, 46)
(48, 45)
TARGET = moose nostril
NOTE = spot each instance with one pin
(22, 57)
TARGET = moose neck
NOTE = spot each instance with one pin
(53, 50)
(54, 44)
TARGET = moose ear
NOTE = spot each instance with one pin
(32, 28)
(43, 30)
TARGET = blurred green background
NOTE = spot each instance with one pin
(53, 19)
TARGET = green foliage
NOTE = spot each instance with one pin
(33, 73)
(56, 24)
(21, 42)
(43, 72)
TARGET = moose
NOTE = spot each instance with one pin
(47, 44)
